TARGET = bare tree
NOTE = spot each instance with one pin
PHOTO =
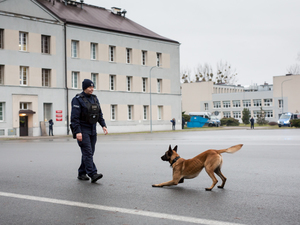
(225, 73)
(294, 69)
(186, 76)
(204, 72)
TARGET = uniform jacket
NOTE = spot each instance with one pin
(80, 126)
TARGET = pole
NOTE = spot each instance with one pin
(150, 99)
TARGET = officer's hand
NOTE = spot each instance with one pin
(79, 136)
(105, 130)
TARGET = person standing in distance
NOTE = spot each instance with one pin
(86, 112)
(252, 123)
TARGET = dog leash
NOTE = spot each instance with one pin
(174, 160)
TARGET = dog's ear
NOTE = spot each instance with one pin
(170, 149)
(175, 148)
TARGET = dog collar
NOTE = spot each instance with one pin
(174, 160)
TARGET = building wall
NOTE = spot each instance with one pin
(38, 22)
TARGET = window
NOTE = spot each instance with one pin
(112, 82)
(130, 112)
(23, 75)
(206, 106)
(236, 114)
(226, 114)
(75, 77)
(236, 103)
(158, 59)
(45, 44)
(46, 77)
(159, 81)
(145, 114)
(22, 41)
(113, 112)
(247, 103)
(226, 104)
(47, 111)
(268, 102)
(217, 105)
(144, 58)
(129, 79)
(145, 84)
(128, 55)
(160, 112)
(280, 103)
(1, 111)
(94, 78)
(269, 113)
(112, 50)
(257, 102)
(74, 48)
(256, 113)
(24, 105)
(1, 74)
(1, 38)
(93, 51)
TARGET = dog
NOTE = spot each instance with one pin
(211, 160)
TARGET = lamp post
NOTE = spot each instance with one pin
(282, 95)
(150, 98)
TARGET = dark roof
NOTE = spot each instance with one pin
(97, 17)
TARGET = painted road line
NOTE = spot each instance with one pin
(117, 209)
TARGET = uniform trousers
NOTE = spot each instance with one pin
(87, 146)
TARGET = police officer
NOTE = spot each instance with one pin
(86, 112)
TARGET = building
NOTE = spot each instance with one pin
(230, 100)
(48, 47)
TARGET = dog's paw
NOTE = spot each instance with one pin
(220, 187)
(156, 185)
(207, 189)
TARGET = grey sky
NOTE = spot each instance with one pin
(260, 39)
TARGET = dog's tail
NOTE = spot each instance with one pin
(232, 149)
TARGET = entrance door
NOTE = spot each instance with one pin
(23, 125)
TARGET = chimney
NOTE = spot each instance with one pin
(116, 10)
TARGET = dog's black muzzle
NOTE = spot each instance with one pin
(164, 158)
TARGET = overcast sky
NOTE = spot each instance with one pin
(259, 38)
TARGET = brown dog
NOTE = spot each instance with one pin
(190, 168)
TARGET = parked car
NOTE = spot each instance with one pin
(285, 119)
(214, 122)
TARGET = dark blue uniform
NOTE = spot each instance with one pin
(88, 131)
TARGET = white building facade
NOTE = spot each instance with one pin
(47, 48)
(230, 100)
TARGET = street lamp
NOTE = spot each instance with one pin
(282, 95)
(150, 98)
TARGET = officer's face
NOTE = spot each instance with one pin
(89, 90)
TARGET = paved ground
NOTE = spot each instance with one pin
(38, 182)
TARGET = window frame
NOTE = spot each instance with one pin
(129, 83)
(205, 106)
(23, 40)
(75, 49)
(44, 74)
(257, 102)
(112, 82)
(218, 104)
(1, 74)
(24, 71)
(159, 112)
(94, 78)
(145, 84)
(237, 114)
(93, 50)
(112, 53)
(144, 57)
(226, 114)
(145, 112)
(75, 83)
(247, 103)
(268, 102)
(45, 44)
(236, 103)
(159, 85)
(128, 55)
(226, 104)
(113, 112)
(2, 111)
(1, 38)
(130, 112)
(158, 59)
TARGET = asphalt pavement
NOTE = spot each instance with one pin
(38, 183)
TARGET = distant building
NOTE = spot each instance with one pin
(230, 100)
(48, 47)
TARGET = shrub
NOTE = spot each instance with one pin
(229, 122)
(246, 116)
(295, 123)
(186, 117)
(273, 123)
